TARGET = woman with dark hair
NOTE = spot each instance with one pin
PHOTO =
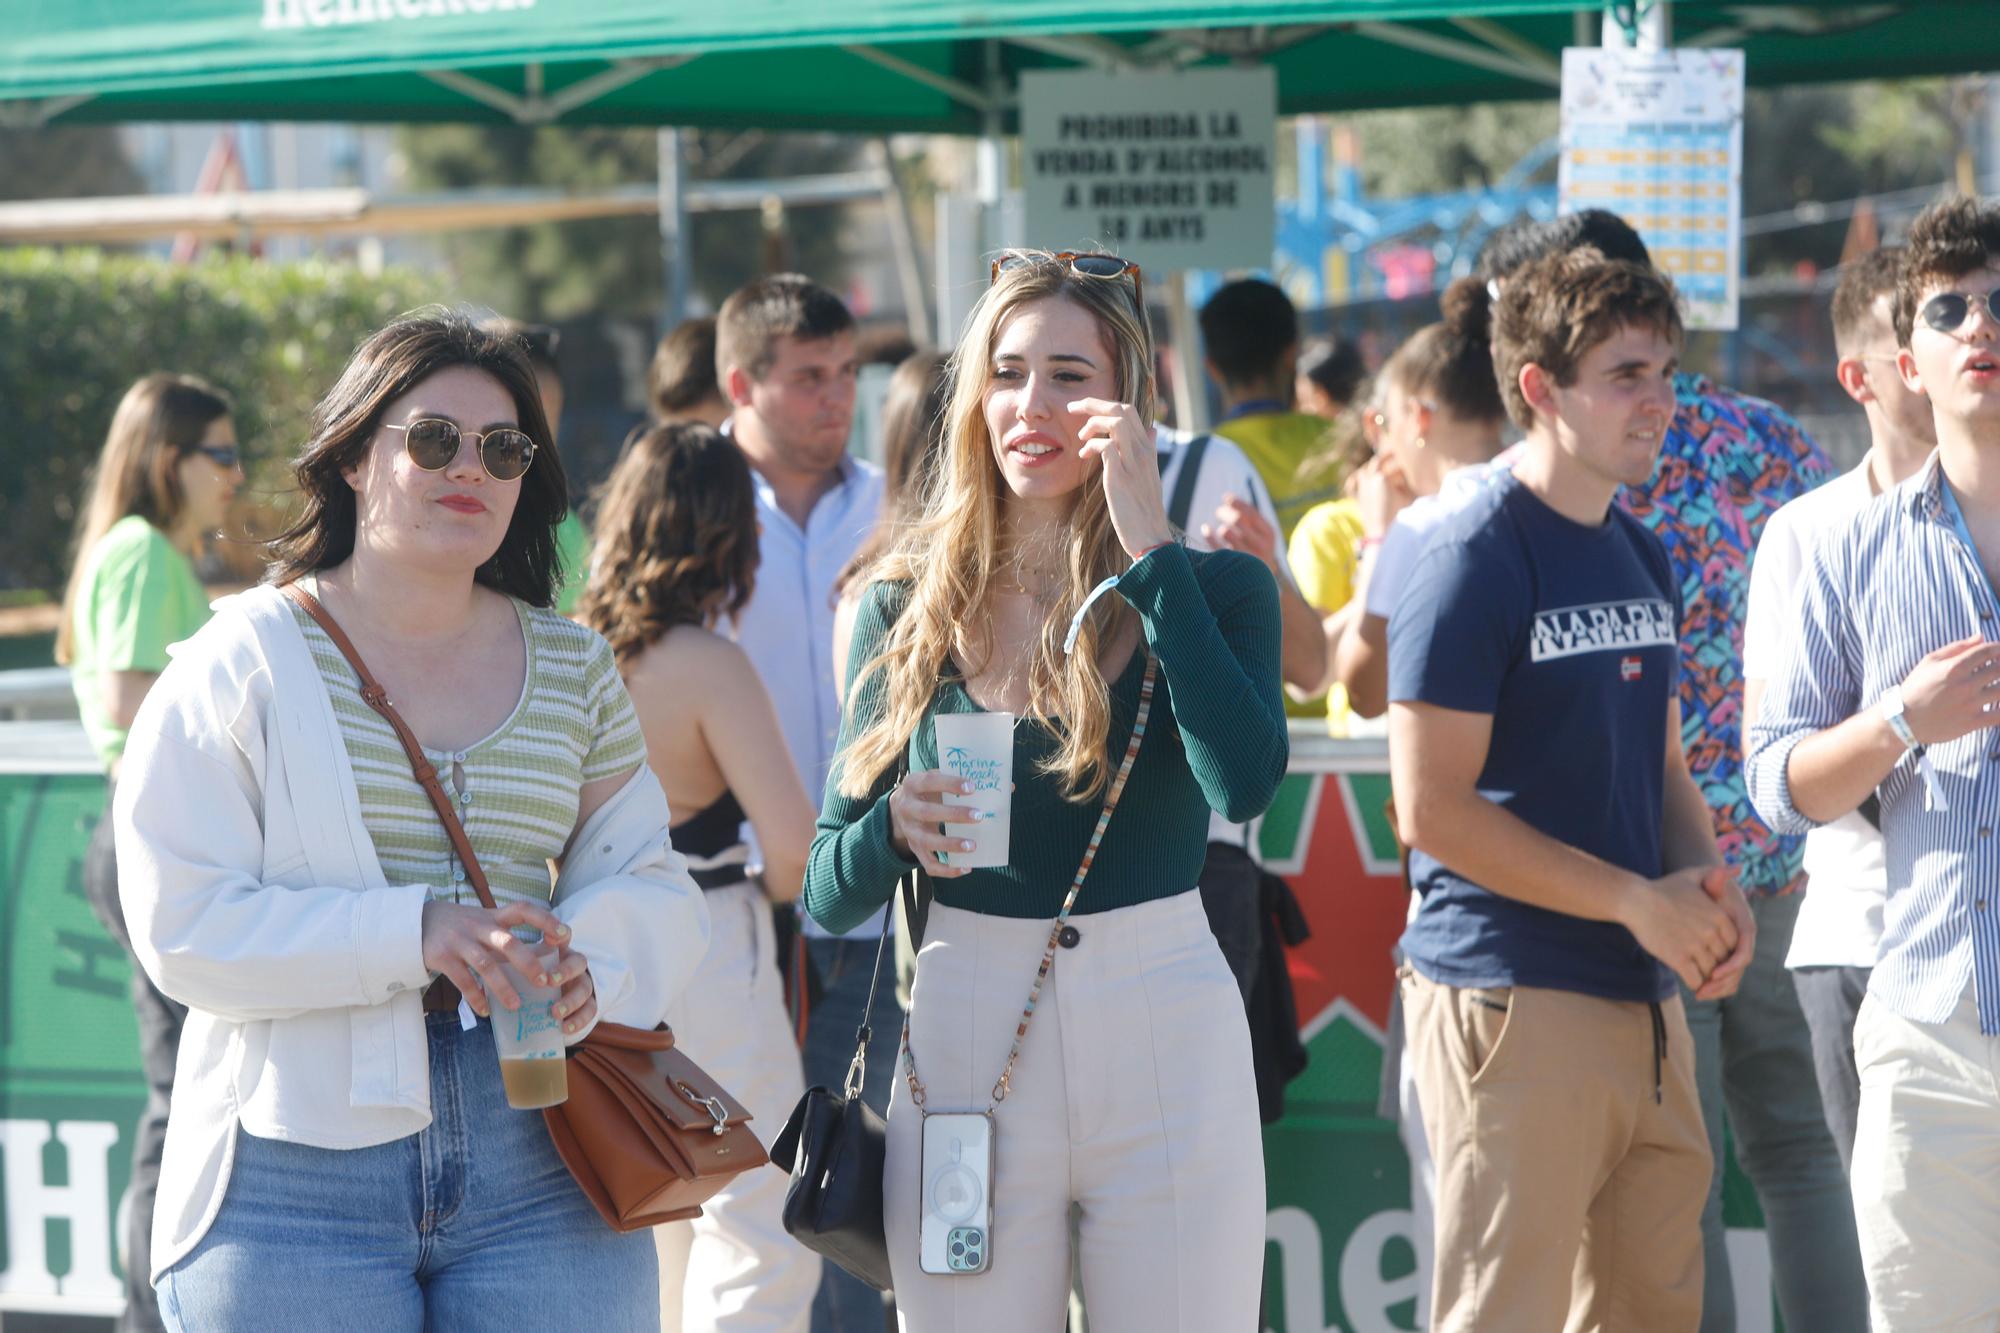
(166, 476)
(1439, 418)
(340, 1142)
(1330, 376)
(677, 552)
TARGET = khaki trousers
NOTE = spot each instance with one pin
(734, 1269)
(1569, 1197)
(1133, 1097)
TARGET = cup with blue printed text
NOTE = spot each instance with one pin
(979, 748)
(530, 1039)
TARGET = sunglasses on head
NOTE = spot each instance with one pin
(432, 442)
(1946, 311)
(223, 456)
(1089, 265)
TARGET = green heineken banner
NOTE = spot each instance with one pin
(70, 1089)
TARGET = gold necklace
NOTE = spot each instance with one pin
(1007, 578)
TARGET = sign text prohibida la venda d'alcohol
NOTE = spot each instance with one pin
(1171, 170)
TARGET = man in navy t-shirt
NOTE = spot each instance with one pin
(1566, 857)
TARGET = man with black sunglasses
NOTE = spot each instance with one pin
(1889, 692)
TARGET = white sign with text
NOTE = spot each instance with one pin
(1657, 138)
(1172, 170)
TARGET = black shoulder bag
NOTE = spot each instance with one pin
(835, 1146)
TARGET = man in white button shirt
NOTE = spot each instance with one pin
(785, 360)
(1839, 926)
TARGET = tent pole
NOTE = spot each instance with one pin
(674, 237)
(991, 158)
(1190, 399)
(903, 237)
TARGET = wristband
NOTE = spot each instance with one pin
(1076, 621)
(1891, 705)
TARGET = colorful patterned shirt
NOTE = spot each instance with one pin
(1729, 461)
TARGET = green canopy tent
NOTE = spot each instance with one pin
(865, 65)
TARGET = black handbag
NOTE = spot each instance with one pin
(835, 1146)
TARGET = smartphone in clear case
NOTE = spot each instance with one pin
(957, 1174)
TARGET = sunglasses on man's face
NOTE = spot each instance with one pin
(1109, 267)
(432, 442)
(1946, 311)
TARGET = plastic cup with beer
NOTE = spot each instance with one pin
(530, 1039)
(979, 747)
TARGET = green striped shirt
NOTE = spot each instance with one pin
(517, 791)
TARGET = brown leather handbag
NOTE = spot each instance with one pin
(648, 1135)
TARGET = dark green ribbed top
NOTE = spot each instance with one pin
(1215, 740)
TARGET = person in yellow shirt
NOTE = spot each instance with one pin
(1325, 559)
(1250, 347)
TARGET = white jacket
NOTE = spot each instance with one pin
(255, 898)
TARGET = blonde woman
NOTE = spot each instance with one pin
(163, 483)
(1130, 1089)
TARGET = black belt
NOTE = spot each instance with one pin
(719, 877)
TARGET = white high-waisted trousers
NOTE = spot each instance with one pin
(734, 1269)
(1133, 1096)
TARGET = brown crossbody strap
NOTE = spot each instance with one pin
(421, 767)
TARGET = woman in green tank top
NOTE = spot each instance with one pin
(161, 485)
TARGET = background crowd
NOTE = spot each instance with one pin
(1622, 625)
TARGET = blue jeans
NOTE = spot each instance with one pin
(1753, 1052)
(845, 1303)
(473, 1223)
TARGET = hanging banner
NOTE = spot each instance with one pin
(1172, 170)
(1657, 138)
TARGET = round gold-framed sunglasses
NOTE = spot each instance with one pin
(1090, 265)
(432, 442)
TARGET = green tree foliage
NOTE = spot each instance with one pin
(611, 266)
(78, 327)
(1802, 146)
(1432, 150)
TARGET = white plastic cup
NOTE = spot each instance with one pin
(979, 747)
(530, 1042)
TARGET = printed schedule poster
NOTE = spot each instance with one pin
(1172, 170)
(1657, 138)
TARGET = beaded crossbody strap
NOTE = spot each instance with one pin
(1006, 1081)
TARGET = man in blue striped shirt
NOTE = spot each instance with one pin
(1890, 690)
